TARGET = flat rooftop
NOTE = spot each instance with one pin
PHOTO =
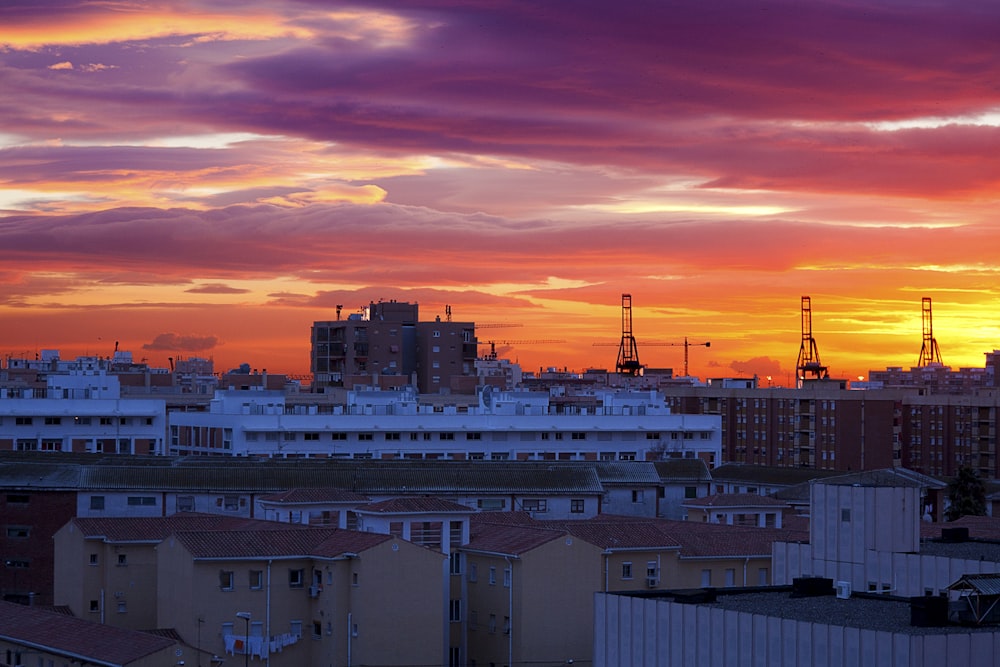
(986, 550)
(869, 612)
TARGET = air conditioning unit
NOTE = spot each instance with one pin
(843, 589)
(314, 591)
(651, 582)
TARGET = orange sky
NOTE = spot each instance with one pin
(196, 181)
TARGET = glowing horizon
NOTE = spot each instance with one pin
(216, 178)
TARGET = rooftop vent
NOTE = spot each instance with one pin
(811, 586)
(927, 611)
(956, 534)
(695, 596)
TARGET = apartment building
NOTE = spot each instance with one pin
(274, 593)
(519, 569)
(81, 412)
(387, 345)
(621, 426)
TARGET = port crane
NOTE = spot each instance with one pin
(808, 361)
(929, 351)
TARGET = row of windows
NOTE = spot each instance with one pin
(254, 436)
(82, 421)
(230, 503)
(474, 575)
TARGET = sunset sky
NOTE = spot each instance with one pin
(206, 178)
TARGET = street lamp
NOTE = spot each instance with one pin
(245, 615)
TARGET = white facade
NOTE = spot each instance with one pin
(81, 412)
(505, 426)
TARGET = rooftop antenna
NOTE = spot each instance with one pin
(340, 307)
(447, 312)
(628, 352)
(929, 351)
(808, 362)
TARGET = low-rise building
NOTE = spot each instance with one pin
(290, 595)
(32, 635)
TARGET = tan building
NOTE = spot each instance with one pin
(288, 595)
(536, 579)
(35, 636)
(529, 593)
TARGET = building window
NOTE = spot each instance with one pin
(93, 559)
(690, 491)
(144, 501)
(18, 532)
(473, 572)
(310, 436)
(366, 437)
(122, 560)
(845, 514)
(534, 505)
(185, 503)
(22, 421)
(507, 574)
(506, 625)
(576, 506)
(226, 580)
(296, 578)
(317, 630)
(730, 576)
(231, 503)
(256, 580)
(455, 563)
(493, 576)
(762, 576)
(626, 570)
(455, 611)
(95, 606)
(706, 578)
(637, 495)
(295, 628)
(493, 623)
(97, 502)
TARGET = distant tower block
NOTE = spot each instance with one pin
(929, 352)
(808, 365)
(628, 352)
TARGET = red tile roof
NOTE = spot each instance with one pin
(417, 504)
(512, 540)
(59, 633)
(155, 528)
(980, 527)
(329, 495)
(289, 543)
(720, 500)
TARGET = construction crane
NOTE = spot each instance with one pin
(929, 351)
(808, 361)
(686, 345)
(493, 344)
(655, 343)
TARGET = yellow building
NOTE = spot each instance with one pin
(288, 595)
(530, 583)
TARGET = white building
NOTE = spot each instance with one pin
(623, 426)
(864, 533)
(81, 411)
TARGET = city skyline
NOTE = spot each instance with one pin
(207, 179)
